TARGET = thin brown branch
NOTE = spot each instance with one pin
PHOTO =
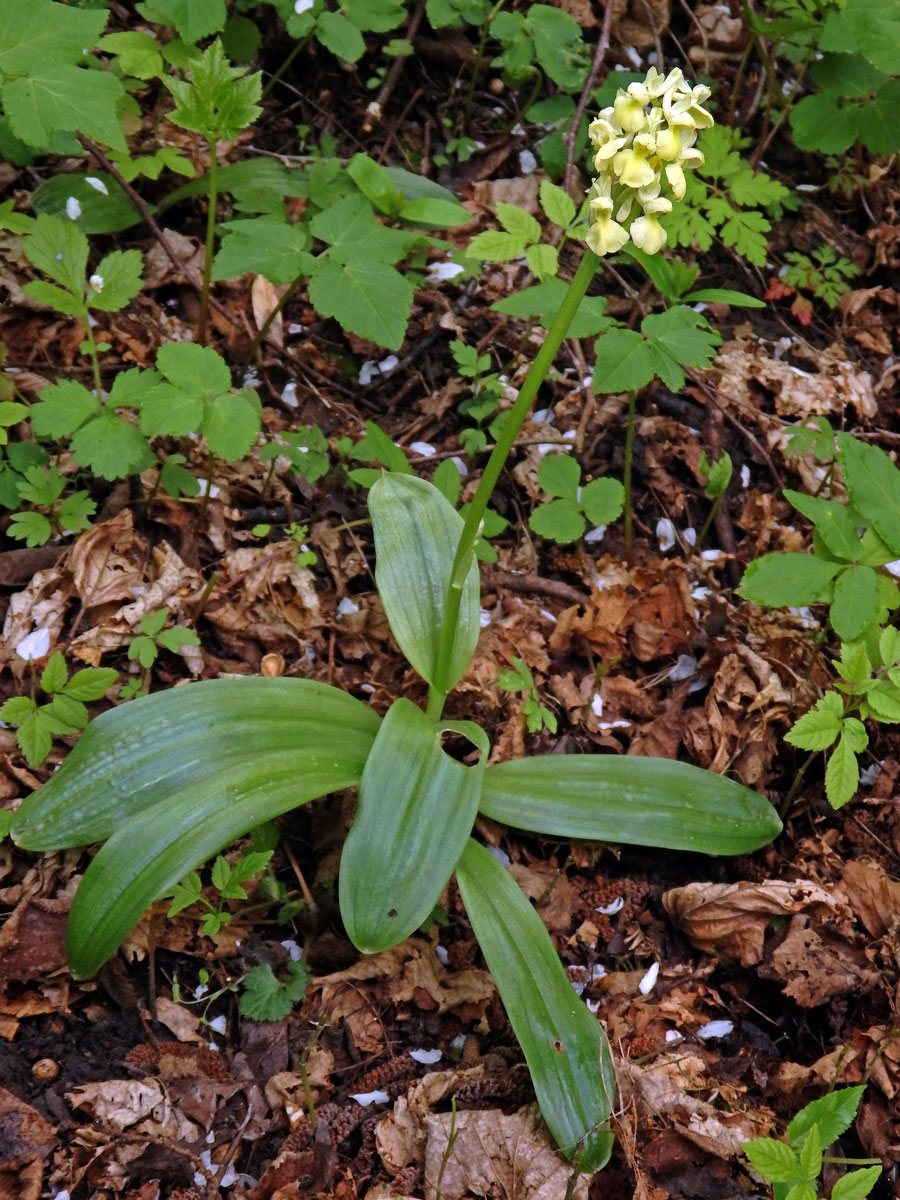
(599, 55)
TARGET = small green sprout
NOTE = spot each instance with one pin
(520, 679)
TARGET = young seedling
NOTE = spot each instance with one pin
(520, 679)
(717, 477)
(145, 647)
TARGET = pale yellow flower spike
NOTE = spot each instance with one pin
(646, 136)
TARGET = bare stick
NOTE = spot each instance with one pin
(599, 55)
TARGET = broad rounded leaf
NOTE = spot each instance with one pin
(416, 809)
(145, 858)
(564, 1044)
(787, 579)
(133, 756)
(855, 604)
(620, 798)
(416, 535)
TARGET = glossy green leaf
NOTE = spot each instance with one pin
(147, 857)
(564, 1044)
(133, 756)
(416, 809)
(416, 535)
(873, 484)
(619, 798)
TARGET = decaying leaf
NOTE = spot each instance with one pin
(731, 920)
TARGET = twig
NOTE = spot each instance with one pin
(375, 110)
(599, 55)
(534, 585)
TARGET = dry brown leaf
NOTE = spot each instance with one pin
(731, 920)
(815, 966)
(401, 1136)
(139, 1105)
(408, 973)
(660, 1090)
(264, 297)
(873, 896)
(497, 1156)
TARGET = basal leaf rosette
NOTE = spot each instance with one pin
(649, 132)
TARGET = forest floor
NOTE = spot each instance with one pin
(777, 973)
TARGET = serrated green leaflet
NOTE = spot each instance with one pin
(564, 1044)
(416, 535)
(146, 858)
(833, 521)
(619, 798)
(135, 755)
(855, 604)
(787, 579)
(873, 484)
(416, 809)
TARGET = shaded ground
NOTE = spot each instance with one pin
(777, 974)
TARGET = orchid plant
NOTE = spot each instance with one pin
(170, 779)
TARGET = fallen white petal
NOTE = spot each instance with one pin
(527, 162)
(347, 607)
(217, 1024)
(35, 645)
(302, 6)
(685, 668)
(366, 1098)
(665, 534)
(484, 618)
(501, 856)
(388, 364)
(443, 956)
(596, 534)
(614, 906)
(439, 272)
(597, 705)
(97, 184)
(426, 1057)
(424, 448)
(672, 1035)
(648, 983)
(73, 209)
(293, 949)
(289, 395)
(715, 1029)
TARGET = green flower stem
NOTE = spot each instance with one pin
(210, 241)
(626, 481)
(512, 425)
(95, 359)
(710, 517)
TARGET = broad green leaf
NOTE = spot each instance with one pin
(786, 579)
(624, 363)
(558, 520)
(145, 860)
(855, 604)
(167, 410)
(841, 774)
(37, 31)
(818, 729)
(340, 36)
(54, 297)
(564, 1044)
(263, 246)
(34, 738)
(133, 756)
(116, 281)
(56, 97)
(375, 183)
(416, 535)
(884, 701)
(889, 646)
(518, 222)
(17, 709)
(557, 204)
(543, 260)
(356, 236)
(231, 424)
(773, 1159)
(559, 45)
(265, 998)
(30, 527)
(55, 674)
(873, 484)
(111, 447)
(137, 53)
(821, 122)
(802, 1191)
(856, 1184)
(811, 1154)
(62, 408)
(833, 521)
(620, 798)
(195, 369)
(59, 249)
(723, 296)
(678, 338)
(433, 213)
(366, 297)
(603, 501)
(875, 26)
(101, 211)
(416, 809)
(91, 683)
(834, 1114)
(495, 246)
(560, 475)
(192, 19)
(543, 300)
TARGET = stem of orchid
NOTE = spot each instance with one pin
(626, 481)
(512, 425)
